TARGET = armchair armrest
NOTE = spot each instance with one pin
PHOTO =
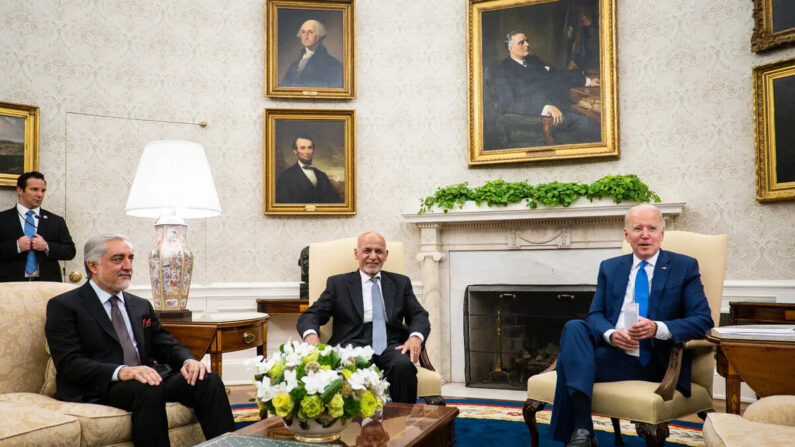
(668, 384)
(425, 361)
(515, 120)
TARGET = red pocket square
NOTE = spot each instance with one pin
(147, 322)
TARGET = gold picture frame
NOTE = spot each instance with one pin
(774, 129)
(328, 27)
(328, 183)
(774, 25)
(19, 141)
(506, 110)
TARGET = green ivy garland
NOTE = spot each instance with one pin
(501, 193)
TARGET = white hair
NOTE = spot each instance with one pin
(95, 247)
(319, 28)
(642, 207)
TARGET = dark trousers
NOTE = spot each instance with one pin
(398, 369)
(148, 406)
(576, 128)
(584, 359)
(399, 372)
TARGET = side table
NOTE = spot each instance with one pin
(759, 357)
(284, 306)
(217, 333)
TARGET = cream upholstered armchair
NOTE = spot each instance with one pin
(335, 257)
(768, 422)
(651, 405)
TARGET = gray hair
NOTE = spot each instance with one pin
(319, 28)
(509, 37)
(95, 247)
(642, 207)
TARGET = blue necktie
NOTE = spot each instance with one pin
(642, 298)
(379, 323)
(31, 265)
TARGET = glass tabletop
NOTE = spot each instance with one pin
(756, 332)
(401, 425)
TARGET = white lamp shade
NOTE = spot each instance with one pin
(173, 177)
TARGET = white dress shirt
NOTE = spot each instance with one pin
(309, 173)
(104, 299)
(629, 298)
(367, 302)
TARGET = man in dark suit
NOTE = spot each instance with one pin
(105, 342)
(32, 239)
(369, 307)
(315, 67)
(645, 302)
(526, 85)
(302, 182)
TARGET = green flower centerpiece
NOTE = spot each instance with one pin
(317, 389)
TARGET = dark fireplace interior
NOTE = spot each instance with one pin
(511, 331)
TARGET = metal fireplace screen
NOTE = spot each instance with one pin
(512, 331)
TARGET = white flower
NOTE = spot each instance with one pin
(316, 382)
(326, 351)
(365, 379)
(261, 366)
(290, 379)
(293, 359)
(348, 354)
(252, 365)
(266, 391)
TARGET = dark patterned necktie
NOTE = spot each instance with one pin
(130, 354)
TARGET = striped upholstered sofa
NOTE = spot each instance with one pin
(29, 415)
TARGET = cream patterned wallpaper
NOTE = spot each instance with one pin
(110, 75)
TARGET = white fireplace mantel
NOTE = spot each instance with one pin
(500, 245)
(496, 215)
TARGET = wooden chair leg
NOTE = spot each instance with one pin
(434, 400)
(654, 434)
(703, 414)
(529, 410)
(617, 431)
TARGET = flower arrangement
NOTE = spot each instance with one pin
(320, 382)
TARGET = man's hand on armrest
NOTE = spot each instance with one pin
(312, 339)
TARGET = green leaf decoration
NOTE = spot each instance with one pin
(297, 394)
(332, 389)
(362, 363)
(351, 406)
(620, 188)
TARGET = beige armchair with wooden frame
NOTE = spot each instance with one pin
(335, 257)
(651, 405)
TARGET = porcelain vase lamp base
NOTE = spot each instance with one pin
(170, 269)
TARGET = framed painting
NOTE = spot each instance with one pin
(19, 141)
(774, 24)
(310, 163)
(774, 129)
(542, 80)
(309, 49)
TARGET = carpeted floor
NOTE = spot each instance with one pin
(481, 422)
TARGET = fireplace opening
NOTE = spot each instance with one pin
(511, 332)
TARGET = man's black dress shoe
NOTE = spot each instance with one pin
(582, 438)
